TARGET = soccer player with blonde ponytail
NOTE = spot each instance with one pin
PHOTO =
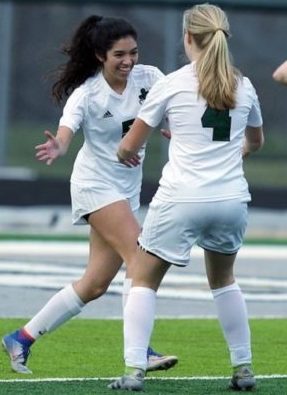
(215, 121)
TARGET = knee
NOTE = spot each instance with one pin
(91, 290)
(97, 290)
(220, 281)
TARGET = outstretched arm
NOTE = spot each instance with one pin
(280, 74)
(133, 141)
(55, 146)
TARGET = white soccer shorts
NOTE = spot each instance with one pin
(171, 229)
(87, 199)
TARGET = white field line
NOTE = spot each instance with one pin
(34, 268)
(64, 248)
(59, 379)
(21, 268)
(50, 276)
(48, 282)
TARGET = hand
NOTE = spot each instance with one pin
(132, 162)
(50, 150)
(166, 133)
(245, 151)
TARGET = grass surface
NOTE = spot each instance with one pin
(85, 348)
(5, 236)
(195, 387)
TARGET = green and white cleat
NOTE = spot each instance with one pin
(243, 379)
(133, 380)
(157, 361)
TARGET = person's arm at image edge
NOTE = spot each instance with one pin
(280, 74)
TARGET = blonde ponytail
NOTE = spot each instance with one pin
(217, 77)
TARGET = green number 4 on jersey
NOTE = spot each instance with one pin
(220, 121)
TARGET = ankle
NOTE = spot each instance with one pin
(131, 371)
(24, 337)
(243, 365)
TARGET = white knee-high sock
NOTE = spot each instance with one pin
(59, 309)
(138, 324)
(126, 290)
(232, 314)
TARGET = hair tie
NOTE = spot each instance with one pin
(221, 29)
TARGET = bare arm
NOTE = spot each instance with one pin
(55, 146)
(133, 141)
(254, 140)
(280, 74)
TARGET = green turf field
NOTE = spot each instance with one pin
(91, 352)
(14, 236)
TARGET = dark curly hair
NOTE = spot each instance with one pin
(96, 35)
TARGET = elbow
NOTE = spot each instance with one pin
(276, 76)
(257, 144)
(280, 75)
(260, 141)
(254, 140)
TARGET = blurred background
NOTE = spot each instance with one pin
(31, 36)
(37, 249)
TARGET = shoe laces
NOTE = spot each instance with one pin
(23, 353)
(244, 371)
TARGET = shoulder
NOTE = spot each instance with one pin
(91, 87)
(85, 87)
(146, 71)
(246, 94)
(91, 84)
(80, 96)
(179, 78)
(244, 84)
(183, 73)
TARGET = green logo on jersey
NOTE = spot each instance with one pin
(142, 96)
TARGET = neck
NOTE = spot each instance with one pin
(116, 84)
(194, 54)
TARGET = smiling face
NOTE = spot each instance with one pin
(119, 61)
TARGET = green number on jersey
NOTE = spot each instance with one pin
(220, 121)
(126, 126)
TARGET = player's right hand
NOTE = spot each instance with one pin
(50, 150)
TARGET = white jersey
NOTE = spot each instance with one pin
(205, 151)
(105, 116)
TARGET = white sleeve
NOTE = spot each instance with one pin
(153, 109)
(74, 110)
(157, 75)
(255, 117)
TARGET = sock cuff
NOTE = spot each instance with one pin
(25, 334)
(127, 284)
(71, 296)
(142, 290)
(229, 288)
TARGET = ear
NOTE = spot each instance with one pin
(189, 38)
